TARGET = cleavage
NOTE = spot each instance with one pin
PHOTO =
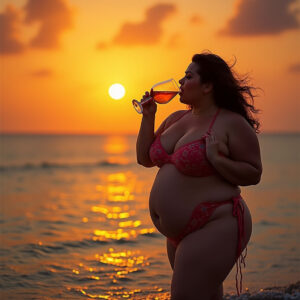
(179, 141)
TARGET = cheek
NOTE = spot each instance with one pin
(192, 83)
(193, 86)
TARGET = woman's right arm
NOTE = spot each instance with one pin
(144, 141)
(146, 134)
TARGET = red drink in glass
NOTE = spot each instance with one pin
(162, 93)
(163, 97)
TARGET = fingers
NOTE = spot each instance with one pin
(210, 137)
(146, 95)
(213, 138)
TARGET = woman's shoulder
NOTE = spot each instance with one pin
(176, 115)
(233, 120)
(232, 117)
(172, 118)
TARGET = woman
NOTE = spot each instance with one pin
(204, 154)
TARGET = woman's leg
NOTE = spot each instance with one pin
(171, 250)
(219, 293)
(205, 257)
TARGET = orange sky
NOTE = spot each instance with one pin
(59, 57)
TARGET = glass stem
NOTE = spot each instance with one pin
(146, 100)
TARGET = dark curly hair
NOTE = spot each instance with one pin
(230, 91)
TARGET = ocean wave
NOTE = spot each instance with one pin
(268, 223)
(40, 250)
(54, 165)
(290, 292)
(36, 250)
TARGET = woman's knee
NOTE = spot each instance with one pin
(179, 293)
(187, 286)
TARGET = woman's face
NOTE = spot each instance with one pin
(190, 85)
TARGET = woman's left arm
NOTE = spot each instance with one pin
(244, 166)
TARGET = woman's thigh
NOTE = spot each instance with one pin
(171, 250)
(204, 258)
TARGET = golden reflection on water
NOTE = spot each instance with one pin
(120, 188)
(118, 265)
(133, 294)
(117, 189)
(126, 259)
(126, 229)
(94, 296)
(116, 147)
(103, 235)
(120, 219)
(124, 294)
(119, 193)
(119, 234)
(130, 224)
(115, 212)
(117, 177)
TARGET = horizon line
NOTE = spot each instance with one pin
(292, 132)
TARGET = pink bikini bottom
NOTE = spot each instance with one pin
(201, 215)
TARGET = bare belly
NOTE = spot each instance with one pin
(174, 196)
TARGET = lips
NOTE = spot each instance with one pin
(181, 91)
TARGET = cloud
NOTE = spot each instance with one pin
(54, 17)
(261, 17)
(294, 68)
(174, 41)
(101, 46)
(10, 42)
(196, 20)
(147, 32)
(42, 73)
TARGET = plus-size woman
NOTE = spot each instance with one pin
(204, 154)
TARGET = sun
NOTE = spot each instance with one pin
(116, 91)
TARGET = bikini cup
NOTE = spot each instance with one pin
(190, 158)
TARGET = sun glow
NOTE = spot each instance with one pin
(116, 91)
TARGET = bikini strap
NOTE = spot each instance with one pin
(213, 120)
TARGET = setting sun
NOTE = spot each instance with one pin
(116, 91)
(38, 48)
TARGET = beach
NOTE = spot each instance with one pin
(75, 222)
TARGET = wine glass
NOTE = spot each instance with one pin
(162, 93)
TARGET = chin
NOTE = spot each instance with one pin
(181, 100)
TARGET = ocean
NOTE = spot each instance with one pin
(75, 222)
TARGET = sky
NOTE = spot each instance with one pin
(58, 58)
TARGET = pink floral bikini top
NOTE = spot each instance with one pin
(190, 159)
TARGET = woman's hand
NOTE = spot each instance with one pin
(212, 147)
(150, 107)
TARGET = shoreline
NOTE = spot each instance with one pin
(288, 292)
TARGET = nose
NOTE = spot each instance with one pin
(181, 81)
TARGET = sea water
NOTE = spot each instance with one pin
(75, 223)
